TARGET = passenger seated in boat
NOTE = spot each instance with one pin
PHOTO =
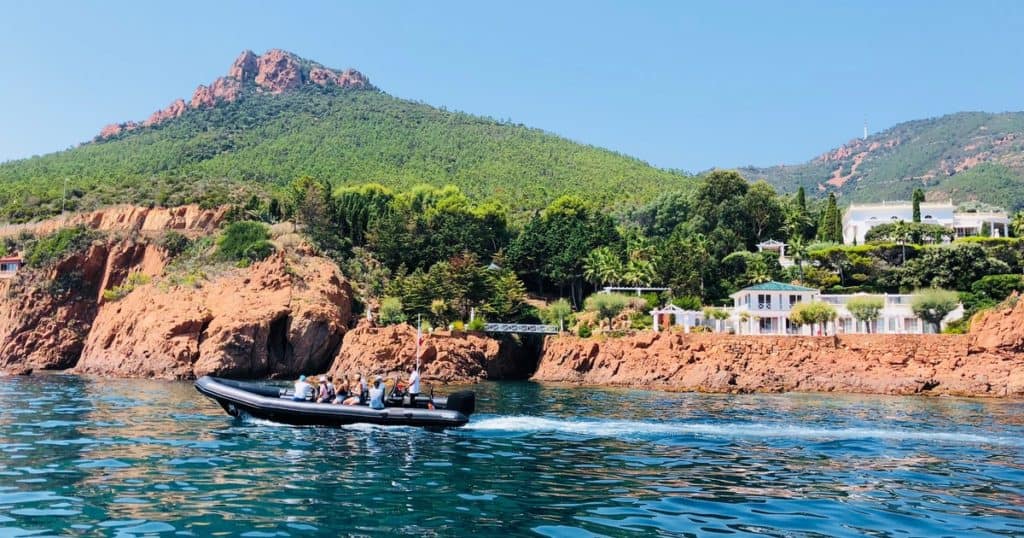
(354, 392)
(326, 394)
(377, 393)
(340, 391)
(303, 390)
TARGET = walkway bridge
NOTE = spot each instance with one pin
(521, 328)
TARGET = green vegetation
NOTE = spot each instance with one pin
(866, 309)
(391, 311)
(606, 305)
(58, 245)
(245, 241)
(814, 313)
(261, 142)
(902, 158)
(932, 305)
(133, 281)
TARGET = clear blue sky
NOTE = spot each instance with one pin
(680, 85)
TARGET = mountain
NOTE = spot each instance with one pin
(276, 116)
(966, 156)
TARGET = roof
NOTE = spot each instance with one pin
(776, 286)
(770, 243)
(6, 259)
(672, 308)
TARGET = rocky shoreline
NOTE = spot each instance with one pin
(292, 314)
(988, 362)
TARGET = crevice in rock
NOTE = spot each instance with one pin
(279, 349)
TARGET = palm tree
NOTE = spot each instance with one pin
(1018, 224)
(602, 267)
(797, 250)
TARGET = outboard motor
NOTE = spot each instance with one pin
(463, 401)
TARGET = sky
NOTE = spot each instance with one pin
(681, 85)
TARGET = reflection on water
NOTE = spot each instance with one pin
(109, 457)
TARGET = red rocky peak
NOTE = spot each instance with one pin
(276, 71)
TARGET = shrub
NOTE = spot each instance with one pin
(557, 313)
(476, 324)
(606, 305)
(687, 302)
(998, 287)
(932, 305)
(458, 326)
(391, 311)
(584, 331)
(58, 245)
(245, 240)
(173, 243)
(119, 292)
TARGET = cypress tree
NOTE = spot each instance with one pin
(918, 198)
(837, 221)
(801, 199)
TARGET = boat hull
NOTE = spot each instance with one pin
(264, 402)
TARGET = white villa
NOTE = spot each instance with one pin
(859, 218)
(764, 309)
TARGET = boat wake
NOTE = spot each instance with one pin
(632, 429)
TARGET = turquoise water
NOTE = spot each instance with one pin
(98, 457)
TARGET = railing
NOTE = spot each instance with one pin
(520, 328)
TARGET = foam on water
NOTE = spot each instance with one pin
(632, 429)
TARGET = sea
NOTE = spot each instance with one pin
(86, 456)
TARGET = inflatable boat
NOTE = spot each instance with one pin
(270, 402)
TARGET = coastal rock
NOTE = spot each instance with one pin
(1000, 330)
(279, 317)
(446, 357)
(46, 316)
(987, 362)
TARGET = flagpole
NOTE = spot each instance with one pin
(419, 336)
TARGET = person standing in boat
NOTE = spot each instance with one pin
(414, 382)
(377, 393)
(303, 390)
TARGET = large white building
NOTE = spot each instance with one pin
(859, 218)
(764, 309)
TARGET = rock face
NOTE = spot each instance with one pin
(277, 318)
(189, 219)
(446, 357)
(44, 322)
(282, 316)
(987, 362)
(276, 71)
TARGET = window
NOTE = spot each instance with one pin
(794, 299)
(892, 325)
(764, 301)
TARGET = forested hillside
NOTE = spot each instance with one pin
(346, 136)
(966, 156)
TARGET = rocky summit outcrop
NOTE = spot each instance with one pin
(279, 317)
(987, 362)
(446, 357)
(276, 71)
